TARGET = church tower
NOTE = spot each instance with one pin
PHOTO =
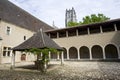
(70, 16)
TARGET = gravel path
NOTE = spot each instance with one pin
(68, 71)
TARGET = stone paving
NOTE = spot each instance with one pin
(69, 71)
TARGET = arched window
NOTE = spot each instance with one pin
(97, 52)
(111, 51)
(84, 52)
(73, 53)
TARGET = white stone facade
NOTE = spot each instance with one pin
(14, 38)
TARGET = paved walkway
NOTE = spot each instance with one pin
(68, 71)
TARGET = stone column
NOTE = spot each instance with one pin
(77, 32)
(101, 31)
(13, 60)
(90, 54)
(88, 30)
(62, 58)
(104, 56)
(57, 34)
(66, 33)
(118, 52)
(115, 27)
(67, 54)
(78, 54)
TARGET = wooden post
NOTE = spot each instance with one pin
(45, 65)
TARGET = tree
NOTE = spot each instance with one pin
(93, 18)
(71, 24)
(42, 64)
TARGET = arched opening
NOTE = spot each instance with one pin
(73, 53)
(84, 52)
(23, 57)
(53, 55)
(97, 52)
(65, 53)
(111, 51)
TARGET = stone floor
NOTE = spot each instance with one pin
(69, 71)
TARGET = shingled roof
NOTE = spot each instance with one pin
(15, 15)
(38, 40)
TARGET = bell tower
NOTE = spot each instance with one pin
(70, 16)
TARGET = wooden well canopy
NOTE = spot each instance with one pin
(39, 40)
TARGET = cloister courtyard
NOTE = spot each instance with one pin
(71, 70)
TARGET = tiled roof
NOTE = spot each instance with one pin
(38, 40)
(15, 15)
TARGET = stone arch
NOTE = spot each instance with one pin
(65, 53)
(97, 52)
(84, 52)
(23, 57)
(111, 51)
(73, 53)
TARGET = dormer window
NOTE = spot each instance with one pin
(8, 30)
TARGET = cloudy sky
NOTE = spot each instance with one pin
(54, 10)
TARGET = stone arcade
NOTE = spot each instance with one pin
(96, 41)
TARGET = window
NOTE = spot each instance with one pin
(108, 28)
(82, 31)
(6, 51)
(94, 30)
(8, 30)
(24, 37)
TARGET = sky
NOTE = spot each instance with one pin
(54, 10)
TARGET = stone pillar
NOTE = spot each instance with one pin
(101, 31)
(66, 33)
(57, 34)
(13, 60)
(115, 27)
(62, 58)
(78, 54)
(118, 52)
(67, 54)
(90, 54)
(88, 30)
(104, 56)
(76, 32)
